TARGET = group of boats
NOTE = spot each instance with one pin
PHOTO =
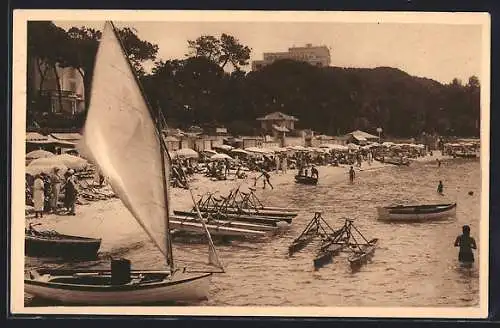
(137, 170)
(239, 215)
(146, 195)
(334, 241)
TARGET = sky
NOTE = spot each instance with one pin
(438, 51)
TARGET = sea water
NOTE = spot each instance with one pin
(415, 264)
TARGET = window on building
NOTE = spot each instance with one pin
(72, 73)
(73, 107)
(72, 86)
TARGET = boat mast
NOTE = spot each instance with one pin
(163, 150)
(163, 122)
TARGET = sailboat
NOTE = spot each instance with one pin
(122, 137)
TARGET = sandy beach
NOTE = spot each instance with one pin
(102, 215)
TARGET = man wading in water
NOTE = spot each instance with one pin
(352, 174)
(466, 244)
(440, 187)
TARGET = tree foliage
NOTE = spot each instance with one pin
(197, 90)
(225, 50)
(49, 45)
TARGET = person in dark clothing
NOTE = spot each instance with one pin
(466, 244)
(440, 187)
(314, 172)
(266, 176)
(352, 174)
(70, 193)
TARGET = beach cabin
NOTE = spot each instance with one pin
(359, 137)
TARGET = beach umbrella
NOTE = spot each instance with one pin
(299, 148)
(47, 168)
(279, 149)
(187, 152)
(352, 146)
(67, 160)
(223, 147)
(71, 161)
(35, 154)
(218, 157)
(257, 150)
(239, 151)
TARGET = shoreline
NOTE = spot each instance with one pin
(90, 216)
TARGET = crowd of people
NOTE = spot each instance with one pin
(46, 191)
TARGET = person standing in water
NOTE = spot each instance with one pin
(440, 187)
(466, 244)
(352, 174)
(439, 162)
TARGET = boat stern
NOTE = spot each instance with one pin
(383, 213)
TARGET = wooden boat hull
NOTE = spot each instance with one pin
(291, 210)
(297, 245)
(364, 255)
(416, 213)
(326, 255)
(57, 286)
(214, 230)
(466, 155)
(281, 215)
(228, 223)
(306, 180)
(64, 246)
(255, 218)
(396, 161)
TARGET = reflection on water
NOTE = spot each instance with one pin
(414, 265)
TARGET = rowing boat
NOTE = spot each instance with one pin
(241, 212)
(302, 179)
(133, 131)
(249, 211)
(416, 212)
(363, 254)
(272, 221)
(396, 161)
(227, 223)
(215, 230)
(53, 244)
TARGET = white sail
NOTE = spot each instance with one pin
(121, 137)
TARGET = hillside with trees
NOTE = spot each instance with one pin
(198, 90)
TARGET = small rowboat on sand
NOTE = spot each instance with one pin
(52, 244)
(306, 180)
(417, 213)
